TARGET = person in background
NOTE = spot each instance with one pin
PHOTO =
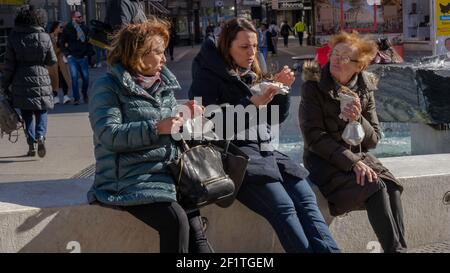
(59, 72)
(26, 81)
(299, 28)
(275, 33)
(284, 31)
(348, 176)
(132, 112)
(124, 12)
(100, 55)
(262, 40)
(76, 48)
(209, 33)
(172, 39)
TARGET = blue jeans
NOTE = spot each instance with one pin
(34, 131)
(291, 208)
(81, 65)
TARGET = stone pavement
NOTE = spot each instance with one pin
(69, 137)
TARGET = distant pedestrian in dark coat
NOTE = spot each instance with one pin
(26, 79)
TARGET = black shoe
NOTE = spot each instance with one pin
(31, 150)
(76, 102)
(41, 147)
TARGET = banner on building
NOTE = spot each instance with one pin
(442, 18)
(12, 2)
(376, 16)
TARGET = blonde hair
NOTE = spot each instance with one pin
(133, 41)
(366, 49)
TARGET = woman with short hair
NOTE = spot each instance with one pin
(132, 113)
(348, 176)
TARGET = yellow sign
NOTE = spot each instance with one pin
(443, 17)
(12, 2)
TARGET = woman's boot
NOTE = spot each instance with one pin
(31, 150)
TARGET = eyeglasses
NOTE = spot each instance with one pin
(342, 58)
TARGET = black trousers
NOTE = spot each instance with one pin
(286, 40)
(385, 212)
(179, 232)
(300, 38)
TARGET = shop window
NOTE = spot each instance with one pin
(358, 15)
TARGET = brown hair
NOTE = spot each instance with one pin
(366, 48)
(228, 34)
(133, 41)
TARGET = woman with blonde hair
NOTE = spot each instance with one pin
(347, 175)
(132, 113)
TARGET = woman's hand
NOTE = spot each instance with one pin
(263, 98)
(195, 109)
(168, 125)
(352, 111)
(285, 76)
(362, 171)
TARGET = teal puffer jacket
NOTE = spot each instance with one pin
(131, 158)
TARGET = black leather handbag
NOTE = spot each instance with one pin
(10, 120)
(201, 177)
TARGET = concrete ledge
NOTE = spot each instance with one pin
(53, 216)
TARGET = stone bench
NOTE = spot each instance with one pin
(53, 216)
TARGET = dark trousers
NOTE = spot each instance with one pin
(179, 232)
(286, 40)
(300, 38)
(385, 212)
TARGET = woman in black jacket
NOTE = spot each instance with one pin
(26, 79)
(274, 186)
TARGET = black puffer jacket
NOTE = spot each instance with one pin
(26, 80)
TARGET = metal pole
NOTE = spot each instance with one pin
(235, 8)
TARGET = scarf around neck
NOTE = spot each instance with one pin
(247, 76)
(80, 32)
(148, 83)
(352, 84)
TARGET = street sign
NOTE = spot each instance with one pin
(73, 2)
(219, 3)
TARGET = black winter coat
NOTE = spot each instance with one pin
(214, 82)
(71, 45)
(29, 51)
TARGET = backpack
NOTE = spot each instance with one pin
(274, 32)
(10, 120)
